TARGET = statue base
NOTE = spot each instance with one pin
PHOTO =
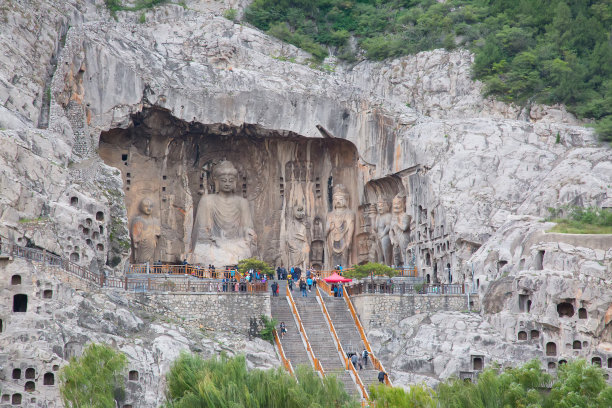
(230, 253)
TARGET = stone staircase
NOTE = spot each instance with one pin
(349, 335)
(322, 341)
(292, 343)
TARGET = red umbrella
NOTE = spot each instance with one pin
(335, 278)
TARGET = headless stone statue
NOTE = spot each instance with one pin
(383, 225)
(223, 231)
(339, 229)
(400, 230)
(297, 246)
(145, 230)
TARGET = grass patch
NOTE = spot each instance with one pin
(578, 220)
(116, 5)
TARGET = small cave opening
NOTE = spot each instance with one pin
(582, 313)
(16, 373)
(30, 386)
(477, 363)
(596, 361)
(30, 373)
(561, 362)
(522, 335)
(16, 400)
(535, 334)
(133, 375)
(74, 201)
(552, 365)
(20, 303)
(551, 349)
(99, 216)
(47, 294)
(49, 379)
(565, 309)
(16, 280)
(577, 345)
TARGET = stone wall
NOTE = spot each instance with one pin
(210, 311)
(379, 310)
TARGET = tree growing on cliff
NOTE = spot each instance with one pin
(95, 379)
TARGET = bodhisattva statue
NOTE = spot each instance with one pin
(297, 244)
(145, 230)
(223, 231)
(339, 229)
(383, 225)
(400, 230)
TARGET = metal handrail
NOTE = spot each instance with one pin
(286, 361)
(347, 363)
(375, 361)
(315, 361)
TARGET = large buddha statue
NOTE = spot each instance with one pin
(145, 230)
(339, 229)
(223, 231)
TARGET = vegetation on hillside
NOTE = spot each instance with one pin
(225, 382)
(554, 51)
(579, 220)
(95, 379)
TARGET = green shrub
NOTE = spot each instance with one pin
(267, 332)
(231, 14)
(579, 220)
(95, 379)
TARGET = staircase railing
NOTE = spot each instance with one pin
(315, 361)
(375, 361)
(281, 351)
(347, 362)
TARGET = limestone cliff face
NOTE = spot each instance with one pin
(471, 167)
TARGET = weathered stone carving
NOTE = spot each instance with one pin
(339, 228)
(400, 230)
(145, 231)
(297, 243)
(383, 225)
(223, 231)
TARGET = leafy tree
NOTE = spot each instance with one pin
(370, 269)
(95, 379)
(252, 263)
(225, 382)
(580, 385)
(514, 387)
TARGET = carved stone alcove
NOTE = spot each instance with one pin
(288, 181)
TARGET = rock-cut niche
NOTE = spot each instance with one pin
(287, 181)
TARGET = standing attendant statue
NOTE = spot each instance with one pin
(339, 228)
(400, 230)
(223, 231)
(383, 225)
(297, 244)
(145, 230)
